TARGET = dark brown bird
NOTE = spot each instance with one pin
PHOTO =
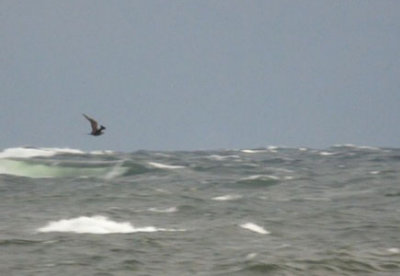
(96, 131)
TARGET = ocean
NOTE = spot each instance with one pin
(266, 211)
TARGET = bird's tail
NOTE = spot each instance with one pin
(102, 127)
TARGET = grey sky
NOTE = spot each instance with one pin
(200, 74)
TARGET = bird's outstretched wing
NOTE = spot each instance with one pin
(93, 123)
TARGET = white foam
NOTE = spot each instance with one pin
(394, 250)
(273, 149)
(227, 197)
(97, 225)
(326, 153)
(251, 256)
(252, 151)
(221, 158)
(254, 227)
(375, 172)
(65, 150)
(165, 166)
(165, 210)
(22, 152)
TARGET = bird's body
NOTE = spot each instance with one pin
(96, 131)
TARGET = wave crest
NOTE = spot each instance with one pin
(97, 225)
(28, 152)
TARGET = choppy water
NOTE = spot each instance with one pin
(273, 211)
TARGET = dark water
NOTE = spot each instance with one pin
(274, 211)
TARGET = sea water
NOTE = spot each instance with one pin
(267, 211)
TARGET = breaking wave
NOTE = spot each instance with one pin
(64, 162)
(254, 228)
(98, 225)
(29, 152)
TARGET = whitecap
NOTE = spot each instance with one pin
(227, 197)
(165, 166)
(221, 158)
(254, 227)
(65, 150)
(273, 149)
(326, 153)
(92, 225)
(375, 172)
(27, 152)
(394, 250)
(97, 225)
(251, 256)
(163, 210)
(252, 151)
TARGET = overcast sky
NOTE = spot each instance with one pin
(194, 75)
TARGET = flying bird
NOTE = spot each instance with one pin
(96, 131)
